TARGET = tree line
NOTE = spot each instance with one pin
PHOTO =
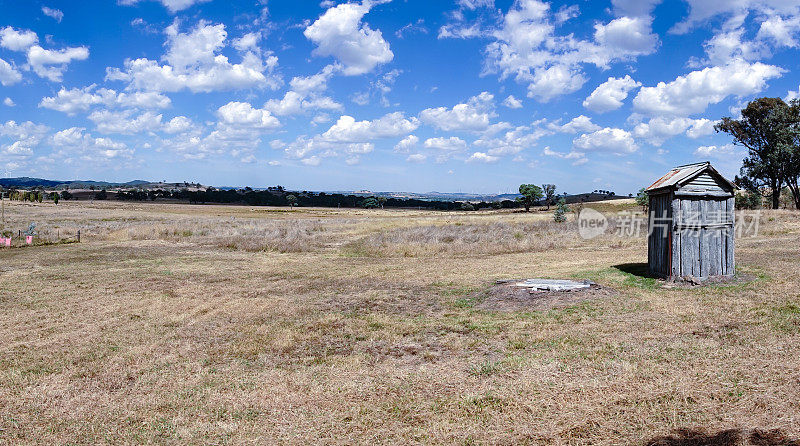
(277, 196)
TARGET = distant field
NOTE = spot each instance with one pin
(174, 323)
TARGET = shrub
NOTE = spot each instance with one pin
(748, 200)
(642, 199)
(560, 214)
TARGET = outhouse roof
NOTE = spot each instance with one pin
(681, 175)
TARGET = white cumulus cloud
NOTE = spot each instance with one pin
(694, 92)
(194, 63)
(75, 144)
(416, 158)
(512, 102)
(723, 151)
(82, 99)
(340, 33)
(451, 144)
(612, 140)
(511, 142)
(659, 129)
(347, 129)
(46, 63)
(482, 157)
(406, 144)
(578, 124)
(51, 64)
(610, 94)
(8, 74)
(474, 115)
(527, 47)
(244, 115)
(17, 39)
(178, 124)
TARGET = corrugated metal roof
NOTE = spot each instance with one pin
(674, 176)
(681, 174)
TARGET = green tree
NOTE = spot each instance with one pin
(531, 193)
(102, 195)
(560, 214)
(642, 199)
(765, 129)
(66, 195)
(549, 191)
(292, 200)
(370, 203)
(381, 201)
(789, 147)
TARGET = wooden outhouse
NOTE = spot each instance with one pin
(691, 223)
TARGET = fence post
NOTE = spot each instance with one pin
(79, 235)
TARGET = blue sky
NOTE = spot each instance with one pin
(459, 96)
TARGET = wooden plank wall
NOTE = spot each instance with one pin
(676, 237)
(730, 260)
(704, 182)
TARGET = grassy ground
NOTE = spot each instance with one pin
(213, 325)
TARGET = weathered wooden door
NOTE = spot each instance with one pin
(704, 236)
(659, 238)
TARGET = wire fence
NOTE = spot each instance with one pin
(10, 239)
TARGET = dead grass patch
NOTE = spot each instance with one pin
(150, 331)
(465, 239)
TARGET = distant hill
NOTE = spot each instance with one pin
(37, 182)
(28, 182)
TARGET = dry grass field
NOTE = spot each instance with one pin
(184, 324)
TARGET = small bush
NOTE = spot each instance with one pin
(560, 214)
(748, 200)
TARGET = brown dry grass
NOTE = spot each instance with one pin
(236, 325)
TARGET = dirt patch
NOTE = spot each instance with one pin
(508, 297)
(382, 296)
(730, 437)
(691, 282)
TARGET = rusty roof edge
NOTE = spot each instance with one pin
(680, 175)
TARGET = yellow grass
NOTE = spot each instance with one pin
(235, 325)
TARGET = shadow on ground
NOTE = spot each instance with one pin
(731, 437)
(636, 269)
